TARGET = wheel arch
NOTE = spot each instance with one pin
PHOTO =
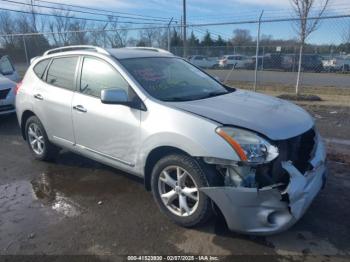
(25, 116)
(153, 157)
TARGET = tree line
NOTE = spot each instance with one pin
(113, 33)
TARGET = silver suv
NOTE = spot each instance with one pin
(199, 145)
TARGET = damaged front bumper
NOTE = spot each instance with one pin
(265, 210)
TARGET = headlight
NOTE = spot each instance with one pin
(249, 146)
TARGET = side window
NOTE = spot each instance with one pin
(40, 67)
(62, 72)
(6, 67)
(97, 75)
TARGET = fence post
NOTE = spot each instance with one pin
(257, 52)
(297, 86)
(169, 33)
(25, 49)
(262, 60)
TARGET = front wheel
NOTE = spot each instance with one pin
(176, 180)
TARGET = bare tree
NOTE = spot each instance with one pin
(99, 36)
(149, 35)
(161, 38)
(59, 25)
(118, 34)
(7, 26)
(241, 37)
(79, 36)
(305, 26)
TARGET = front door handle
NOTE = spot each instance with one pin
(80, 108)
(38, 96)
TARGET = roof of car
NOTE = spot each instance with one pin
(125, 53)
(118, 53)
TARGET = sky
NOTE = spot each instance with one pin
(216, 11)
(212, 11)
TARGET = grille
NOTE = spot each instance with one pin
(298, 149)
(4, 93)
(6, 108)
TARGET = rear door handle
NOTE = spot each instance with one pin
(80, 108)
(39, 97)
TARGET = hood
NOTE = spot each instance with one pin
(275, 118)
(6, 83)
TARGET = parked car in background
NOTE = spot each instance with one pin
(267, 61)
(8, 79)
(234, 61)
(340, 63)
(198, 144)
(203, 61)
(312, 62)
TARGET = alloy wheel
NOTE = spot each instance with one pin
(178, 191)
(36, 139)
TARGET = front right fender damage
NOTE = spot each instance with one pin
(274, 208)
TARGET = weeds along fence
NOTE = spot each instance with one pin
(253, 53)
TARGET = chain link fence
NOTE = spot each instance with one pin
(234, 59)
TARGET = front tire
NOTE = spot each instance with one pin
(176, 180)
(37, 140)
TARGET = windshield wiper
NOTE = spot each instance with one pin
(182, 99)
(215, 93)
(176, 99)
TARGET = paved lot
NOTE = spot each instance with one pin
(286, 78)
(77, 206)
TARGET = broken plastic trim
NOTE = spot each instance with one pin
(262, 211)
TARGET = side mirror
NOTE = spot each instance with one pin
(114, 96)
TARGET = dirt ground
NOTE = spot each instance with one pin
(76, 206)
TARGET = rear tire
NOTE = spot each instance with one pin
(37, 140)
(179, 197)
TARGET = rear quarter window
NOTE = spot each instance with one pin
(61, 72)
(40, 67)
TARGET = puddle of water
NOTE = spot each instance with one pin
(44, 191)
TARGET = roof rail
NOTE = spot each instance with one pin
(75, 48)
(154, 49)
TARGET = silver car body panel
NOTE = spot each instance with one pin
(122, 137)
(260, 113)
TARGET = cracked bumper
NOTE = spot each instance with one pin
(253, 211)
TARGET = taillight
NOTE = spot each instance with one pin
(18, 86)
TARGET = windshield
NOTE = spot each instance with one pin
(172, 79)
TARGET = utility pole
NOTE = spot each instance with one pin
(104, 36)
(169, 33)
(33, 14)
(25, 49)
(184, 29)
(257, 52)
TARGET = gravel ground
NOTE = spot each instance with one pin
(76, 206)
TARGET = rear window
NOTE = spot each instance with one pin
(40, 67)
(62, 72)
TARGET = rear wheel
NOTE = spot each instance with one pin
(176, 180)
(38, 143)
